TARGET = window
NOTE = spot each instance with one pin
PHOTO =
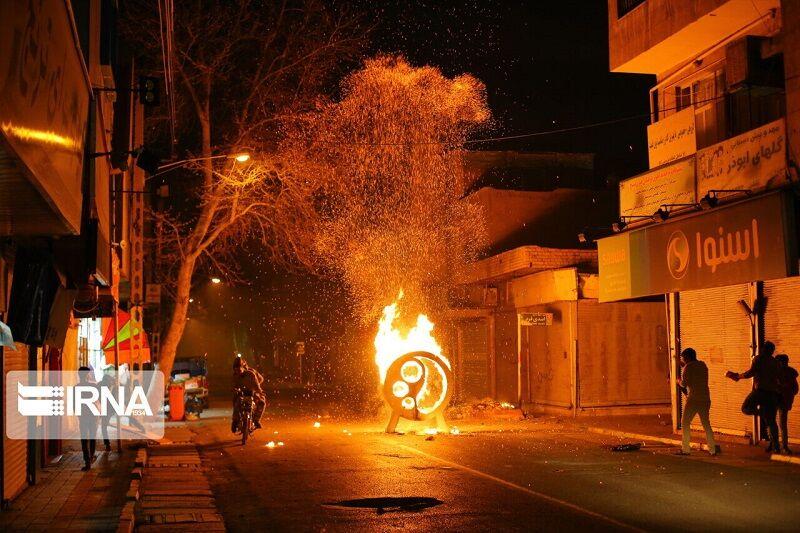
(626, 6)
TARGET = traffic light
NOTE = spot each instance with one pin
(149, 89)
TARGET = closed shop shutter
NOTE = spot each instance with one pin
(549, 356)
(474, 358)
(782, 326)
(714, 324)
(15, 452)
(622, 353)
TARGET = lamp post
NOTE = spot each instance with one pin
(239, 157)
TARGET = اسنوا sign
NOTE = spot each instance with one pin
(747, 241)
(536, 319)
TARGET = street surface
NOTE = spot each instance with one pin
(509, 476)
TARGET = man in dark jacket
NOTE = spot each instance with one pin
(87, 422)
(248, 379)
(765, 397)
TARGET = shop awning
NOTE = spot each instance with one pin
(133, 345)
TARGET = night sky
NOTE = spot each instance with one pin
(545, 65)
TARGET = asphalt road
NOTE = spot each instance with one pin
(348, 476)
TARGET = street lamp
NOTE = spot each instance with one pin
(239, 157)
(216, 281)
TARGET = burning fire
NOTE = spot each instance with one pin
(391, 343)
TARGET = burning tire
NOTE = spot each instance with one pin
(417, 387)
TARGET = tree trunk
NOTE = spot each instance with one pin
(169, 345)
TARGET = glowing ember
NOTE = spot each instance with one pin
(391, 344)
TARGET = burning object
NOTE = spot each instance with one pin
(415, 375)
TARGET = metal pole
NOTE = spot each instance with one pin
(115, 319)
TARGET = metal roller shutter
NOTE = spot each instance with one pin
(15, 452)
(782, 326)
(474, 347)
(713, 323)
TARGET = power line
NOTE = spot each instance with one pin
(524, 135)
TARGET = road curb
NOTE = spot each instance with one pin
(127, 517)
(642, 437)
(785, 458)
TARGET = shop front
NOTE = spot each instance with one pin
(729, 276)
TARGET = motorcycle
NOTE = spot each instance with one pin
(244, 413)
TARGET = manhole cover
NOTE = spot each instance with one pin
(388, 504)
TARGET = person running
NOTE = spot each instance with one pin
(694, 383)
(764, 398)
(789, 388)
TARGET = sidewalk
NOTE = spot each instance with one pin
(174, 493)
(67, 499)
(658, 429)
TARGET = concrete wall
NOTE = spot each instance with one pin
(659, 34)
(791, 65)
(515, 218)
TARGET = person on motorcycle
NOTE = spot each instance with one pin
(248, 379)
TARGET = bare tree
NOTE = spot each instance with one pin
(241, 67)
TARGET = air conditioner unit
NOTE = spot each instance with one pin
(743, 63)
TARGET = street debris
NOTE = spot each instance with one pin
(630, 447)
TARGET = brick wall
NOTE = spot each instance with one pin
(528, 260)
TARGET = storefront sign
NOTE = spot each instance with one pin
(755, 160)
(536, 319)
(744, 242)
(671, 138)
(670, 184)
(44, 100)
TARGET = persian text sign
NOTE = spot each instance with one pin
(744, 242)
(671, 138)
(73, 405)
(754, 160)
(670, 184)
(536, 319)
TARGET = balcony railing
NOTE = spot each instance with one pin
(626, 6)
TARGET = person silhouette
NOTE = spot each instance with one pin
(789, 387)
(764, 398)
(694, 383)
(87, 422)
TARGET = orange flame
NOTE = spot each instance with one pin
(391, 343)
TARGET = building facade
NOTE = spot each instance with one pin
(70, 225)
(526, 326)
(712, 225)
